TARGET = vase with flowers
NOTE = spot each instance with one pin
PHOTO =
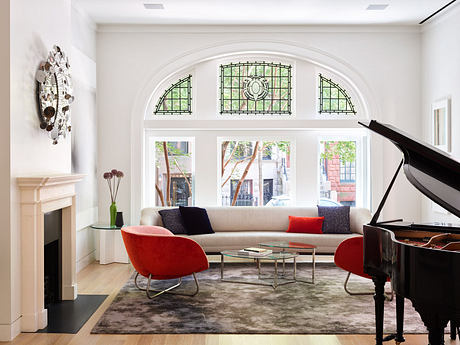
(113, 178)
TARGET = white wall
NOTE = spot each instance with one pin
(35, 28)
(440, 79)
(383, 62)
(6, 267)
(29, 29)
(84, 136)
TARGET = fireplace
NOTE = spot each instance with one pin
(52, 257)
(40, 196)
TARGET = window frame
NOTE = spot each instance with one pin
(362, 167)
(292, 154)
(149, 199)
(348, 168)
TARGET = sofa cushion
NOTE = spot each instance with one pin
(307, 225)
(196, 220)
(246, 218)
(336, 219)
(172, 220)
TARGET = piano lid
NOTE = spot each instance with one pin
(429, 169)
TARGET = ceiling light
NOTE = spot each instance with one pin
(154, 6)
(376, 7)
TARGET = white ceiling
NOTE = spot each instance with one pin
(402, 12)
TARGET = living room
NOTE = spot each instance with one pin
(173, 95)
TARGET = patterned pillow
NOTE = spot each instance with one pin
(172, 220)
(336, 219)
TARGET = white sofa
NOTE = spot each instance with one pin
(246, 226)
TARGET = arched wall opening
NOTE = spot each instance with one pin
(145, 125)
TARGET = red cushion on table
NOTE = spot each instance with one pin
(307, 225)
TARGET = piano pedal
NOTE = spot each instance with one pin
(394, 336)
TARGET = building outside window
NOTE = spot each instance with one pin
(247, 179)
(347, 171)
(176, 167)
(338, 171)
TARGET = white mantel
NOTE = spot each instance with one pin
(39, 195)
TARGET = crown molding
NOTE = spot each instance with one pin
(212, 29)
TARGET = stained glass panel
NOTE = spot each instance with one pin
(255, 88)
(333, 99)
(177, 99)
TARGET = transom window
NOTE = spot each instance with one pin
(177, 99)
(255, 88)
(333, 99)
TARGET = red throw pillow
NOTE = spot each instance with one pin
(306, 225)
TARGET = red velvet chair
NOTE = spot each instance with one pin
(157, 254)
(349, 256)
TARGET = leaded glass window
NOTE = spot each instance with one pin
(177, 99)
(333, 99)
(255, 88)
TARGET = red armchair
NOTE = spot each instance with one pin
(349, 256)
(157, 254)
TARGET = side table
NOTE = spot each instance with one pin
(111, 247)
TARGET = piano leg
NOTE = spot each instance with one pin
(379, 298)
(436, 335)
(453, 330)
(399, 319)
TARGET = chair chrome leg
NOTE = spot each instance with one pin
(354, 293)
(148, 290)
(388, 295)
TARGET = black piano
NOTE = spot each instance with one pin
(422, 260)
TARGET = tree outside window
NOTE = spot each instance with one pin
(173, 178)
(255, 173)
(338, 171)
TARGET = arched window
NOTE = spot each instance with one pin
(255, 88)
(333, 99)
(177, 99)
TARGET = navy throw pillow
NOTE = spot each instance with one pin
(172, 220)
(196, 220)
(336, 219)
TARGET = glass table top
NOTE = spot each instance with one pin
(105, 227)
(287, 245)
(272, 256)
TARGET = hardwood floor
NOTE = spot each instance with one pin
(108, 279)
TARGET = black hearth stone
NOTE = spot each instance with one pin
(70, 316)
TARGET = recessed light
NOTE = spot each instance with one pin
(377, 7)
(154, 6)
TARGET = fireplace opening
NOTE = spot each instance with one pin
(53, 261)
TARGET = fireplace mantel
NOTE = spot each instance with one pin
(39, 195)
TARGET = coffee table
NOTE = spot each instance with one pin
(274, 257)
(297, 248)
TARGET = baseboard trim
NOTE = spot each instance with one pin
(86, 260)
(9, 332)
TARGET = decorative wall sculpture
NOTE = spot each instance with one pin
(55, 94)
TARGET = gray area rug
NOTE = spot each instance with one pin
(323, 308)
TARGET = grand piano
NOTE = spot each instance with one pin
(422, 260)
